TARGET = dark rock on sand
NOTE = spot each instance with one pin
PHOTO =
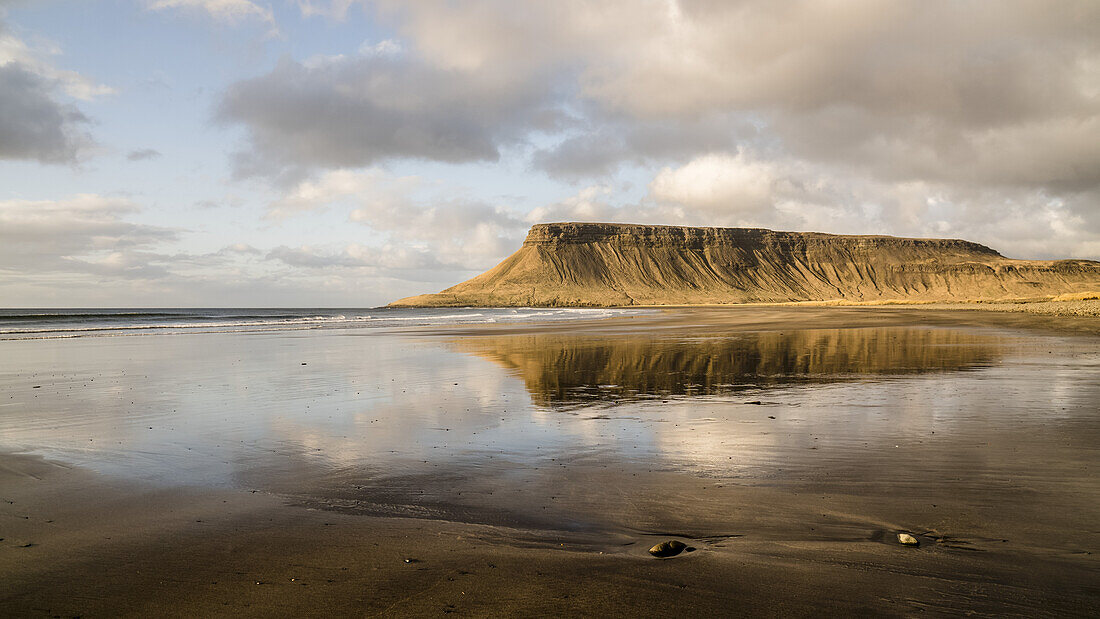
(670, 548)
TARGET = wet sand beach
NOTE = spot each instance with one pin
(526, 469)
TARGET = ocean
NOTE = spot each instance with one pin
(19, 324)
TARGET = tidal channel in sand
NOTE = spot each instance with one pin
(527, 468)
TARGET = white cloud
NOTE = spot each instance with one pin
(332, 9)
(373, 187)
(414, 214)
(355, 256)
(719, 182)
(228, 11)
(386, 47)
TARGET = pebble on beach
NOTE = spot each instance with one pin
(908, 540)
(670, 548)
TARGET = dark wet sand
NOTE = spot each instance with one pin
(802, 523)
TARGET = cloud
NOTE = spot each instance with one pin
(353, 111)
(415, 215)
(373, 187)
(332, 9)
(143, 154)
(356, 256)
(83, 251)
(15, 51)
(241, 248)
(719, 182)
(36, 123)
(82, 234)
(33, 125)
(972, 94)
(605, 142)
(228, 11)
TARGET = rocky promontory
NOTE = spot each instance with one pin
(593, 264)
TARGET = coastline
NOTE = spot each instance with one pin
(1089, 306)
(808, 315)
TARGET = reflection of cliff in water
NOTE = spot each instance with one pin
(567, 369)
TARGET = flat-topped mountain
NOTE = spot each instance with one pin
(592, 264)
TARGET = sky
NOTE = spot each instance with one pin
(346, 153)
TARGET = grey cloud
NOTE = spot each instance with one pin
(143, 154)
(970, 93)
(347, 112)
(1059, 153)
(33, 124)
(973, 62)
(603, 145)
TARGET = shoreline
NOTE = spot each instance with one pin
(742, 317)
(1068, 307)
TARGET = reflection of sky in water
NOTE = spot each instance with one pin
(209, 408)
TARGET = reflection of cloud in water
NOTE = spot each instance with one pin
(569, 369)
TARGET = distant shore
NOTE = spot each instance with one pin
(1050, 307)
(1054, 307)
(1087, 304)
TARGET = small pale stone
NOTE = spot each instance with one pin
(908, 540)
(670, 548)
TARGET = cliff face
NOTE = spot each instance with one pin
(572, 264)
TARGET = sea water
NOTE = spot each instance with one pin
(68, 323)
